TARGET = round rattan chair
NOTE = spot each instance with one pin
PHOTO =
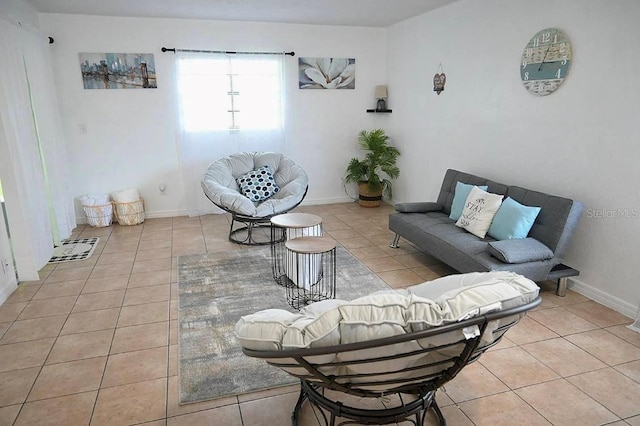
(220, 185)
(393, 347)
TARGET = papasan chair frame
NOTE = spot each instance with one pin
(220, 187)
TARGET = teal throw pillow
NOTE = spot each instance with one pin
(460, 198)
(258, 185)
(513, 220)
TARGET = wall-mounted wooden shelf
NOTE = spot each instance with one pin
(379, 110)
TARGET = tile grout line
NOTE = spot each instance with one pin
(115, 326)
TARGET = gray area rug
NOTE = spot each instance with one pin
(215, 290)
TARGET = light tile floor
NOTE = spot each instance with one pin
(95, 342)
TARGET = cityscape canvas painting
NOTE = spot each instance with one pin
(327, 73)
(118, 70)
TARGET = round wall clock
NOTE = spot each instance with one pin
(545, 61)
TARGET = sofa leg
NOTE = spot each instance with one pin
(394, 243)
(562, 287)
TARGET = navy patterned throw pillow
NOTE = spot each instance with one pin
(258, 185)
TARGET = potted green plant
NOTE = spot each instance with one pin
(373, 174)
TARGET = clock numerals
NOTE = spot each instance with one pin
(545, 61)
(546, 37)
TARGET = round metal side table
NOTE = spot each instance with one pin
(286, 227)
(314, 261)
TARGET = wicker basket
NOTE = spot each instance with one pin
(99, 216)
(129, 213)
(368, 198)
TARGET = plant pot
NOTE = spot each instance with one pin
(368, 198)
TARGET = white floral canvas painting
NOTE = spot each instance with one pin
(327, 73)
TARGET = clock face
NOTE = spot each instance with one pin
(545, 61)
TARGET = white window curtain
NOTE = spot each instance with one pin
(227, 104)
(50, 134)
(32, 165)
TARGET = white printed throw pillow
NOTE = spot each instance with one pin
(478, 211)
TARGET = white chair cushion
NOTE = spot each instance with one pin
(220, 185)
(265, 330)
(387, 313)
(384, 314)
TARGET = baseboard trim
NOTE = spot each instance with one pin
(164, 213)
(147, 215)
(597, 295)
(321, 201)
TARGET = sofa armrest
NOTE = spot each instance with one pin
(520, 250)
(422, 207)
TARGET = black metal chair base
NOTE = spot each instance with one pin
(252, 232)
(414, 411)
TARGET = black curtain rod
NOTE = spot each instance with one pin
(174, 50)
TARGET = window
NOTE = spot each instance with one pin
(230, 93)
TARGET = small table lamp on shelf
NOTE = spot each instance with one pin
(381, 96)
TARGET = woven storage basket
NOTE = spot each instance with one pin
(99, 216)
(129, 213)
(367, 198)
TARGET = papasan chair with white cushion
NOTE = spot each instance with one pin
(273, 184)
(393, 348)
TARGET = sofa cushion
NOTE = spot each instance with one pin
(478, 212)
(557, 220)
(460, 198)
(520, 251)
(513, 220)
(418, 207)
(452, 177)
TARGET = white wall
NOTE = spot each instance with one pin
(130, 137)
(8, 281)
(19, 11)
(580, 142)
(13, 11)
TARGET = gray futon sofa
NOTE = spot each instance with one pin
(538, 257)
